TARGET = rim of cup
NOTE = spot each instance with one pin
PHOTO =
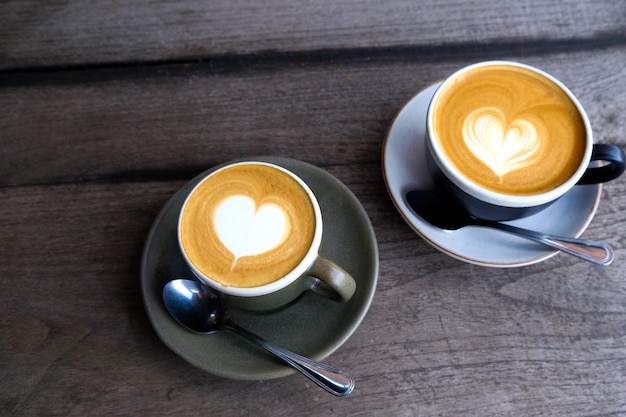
(489, 196)
(281, 282)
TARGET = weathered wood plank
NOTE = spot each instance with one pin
(442, 337)
(59, 33)
(118, 124)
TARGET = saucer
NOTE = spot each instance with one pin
(404, 169)
(312, 326)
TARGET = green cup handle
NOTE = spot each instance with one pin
(337, 283)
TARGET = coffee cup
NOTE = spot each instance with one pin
(507, 140)
(252, 231)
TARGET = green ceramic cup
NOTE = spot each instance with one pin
(306, 270)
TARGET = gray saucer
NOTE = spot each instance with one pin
(404, 169)
(312, 326)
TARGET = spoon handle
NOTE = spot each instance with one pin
(332, 380)
(589, 250)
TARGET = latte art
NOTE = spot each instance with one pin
(247, 225)
(508, 129)
(246, 231)
(503, 148)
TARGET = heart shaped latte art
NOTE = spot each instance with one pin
(246, 230)
(502, 147)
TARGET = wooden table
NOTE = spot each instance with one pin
(108, 108)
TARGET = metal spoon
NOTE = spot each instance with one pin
(444, 213)
(200, 310)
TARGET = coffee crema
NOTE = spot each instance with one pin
(509, 130)
(247, 225)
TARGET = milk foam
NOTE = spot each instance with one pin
(507, 129)
(247, 230)
(503, 147)
(247, 225)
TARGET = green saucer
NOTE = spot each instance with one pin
(312, 326)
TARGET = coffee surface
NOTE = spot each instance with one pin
(509, 130)
(247, 225)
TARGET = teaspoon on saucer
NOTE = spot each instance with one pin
(200, 310)
(446, 214)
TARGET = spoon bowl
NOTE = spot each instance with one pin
(445, 213)
(202, 311)
(193, 306)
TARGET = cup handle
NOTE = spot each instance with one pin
(613, 166)
(335, 277)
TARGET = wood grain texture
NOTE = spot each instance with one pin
(59, 33)
(109, 108)
(117, 123)
(442, 337)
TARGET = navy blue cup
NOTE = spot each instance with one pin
(600, 163)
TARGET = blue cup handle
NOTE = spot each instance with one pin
(614, 162)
